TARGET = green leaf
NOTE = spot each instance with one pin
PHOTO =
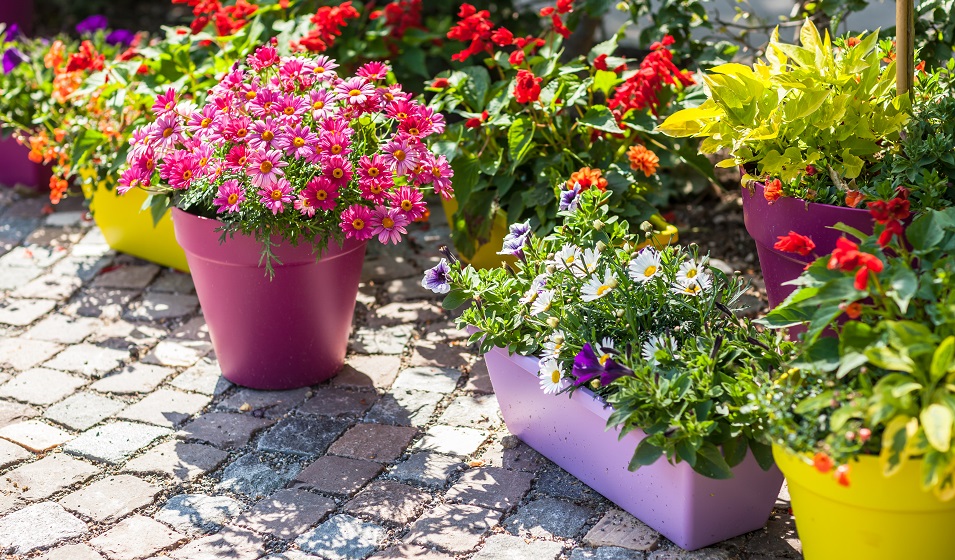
(455, 299)
(925, 232)
(904, 284)
(763, 454)
(600, 117)
(476, 86)
(937, 422)
(645, 454)
(886, 358)
(519, 138)
(711, 463)
(814, 404)
(158, 206)
(734, 450)
(604, 81)
(942, 359)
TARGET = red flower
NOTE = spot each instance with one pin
(773, 190)
(516, 58)
(842, 475)
(853, 198)
(642, 90)
(476, 122)
(795, 243)
(600, 63)
(401, 16)
(892, 229)
(439, 83)
(853, 311)
(822, 462)
(329, 21)
(565, 6)
(811, 170)
(502, 37)
(527, 88)
(847, 258)
(852, 41)
(474, 27)
(885, 212)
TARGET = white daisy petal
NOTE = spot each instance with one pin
(551, 376)
(595, 288)
(645, 265)
(543, 302)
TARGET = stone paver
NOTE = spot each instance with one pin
(436, 354)
(41, 386)
(24, 353)
(364, 371)
(177, 353)
(253, 476)
(105, 303)
(134, 378)
(38, 526)
(491, 487)
(477, 411)
(452, 440)
(13, 412)
(453, 528)
(50, 286)
(178, 460)
(270, 404)
(427, 468)
(165, 407)
(342, 538)
(506, 547)
(72, 552)
(203, 377)
(114, 442)
(555, 481)
(136, 537)
(41, 479)
(333, 401)
(607, 553)
(437, 379)
(83, 410)
(88, 359)
(35, 435)
(225, 430)
(546, 517)
(337, 475)
(229, 544)
(22, 312)
(389, 502)
(479, 381)
(386, 340)
(11, 453)
(63, 329)
(158, 306)
(374, 442)
(128, 276)
(111, 498)
(405, 408)
(286, 514)
(410, 551)
(618, 528)
(198, 513)
(307, 436)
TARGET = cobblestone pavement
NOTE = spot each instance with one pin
(121, 441)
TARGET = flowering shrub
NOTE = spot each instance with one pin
(519, 137)
(886, 385)
(650, 330)
(284, 146)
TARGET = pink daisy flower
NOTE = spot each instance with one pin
(144, 160)
(441, 174)
(165, 103)
(237, 129)
(400, 109)
(409, 201)
(400, 154)
(179, 170)
(297, 141)
(388, 224)
(201, 124)
(372, 169)
(414, 127)
(356, 222)
(131, 178)
(265, 167)
(335, 143)
(355, 91)
(264, 103)
(262, 58)
(304, 205)
(165, 132)
(391, 93)
(237, 158)
(263, 134)
(224, 103)
(376, 192)
(374, 70)
(322, 103)
(230, 197)
(276, 195)
(291, 107)
(322, 193)
(324, 69)
(434, 120)
(338, 170)
(338, 124)
(232, 81)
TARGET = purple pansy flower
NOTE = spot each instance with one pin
(568, 199)
(11, 59)
(11, 32)
(120, 37)
(587, 367)
(516, 239)
(438, 279)
(92, 24)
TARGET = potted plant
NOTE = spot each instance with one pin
(808, 125)
(530, 124)
(610, 343)
(862, 423)
(278, 180)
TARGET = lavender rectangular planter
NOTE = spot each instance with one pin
(17, 169)
(689, 509)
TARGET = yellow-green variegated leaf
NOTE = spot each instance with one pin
(726, 163)
(937, 420)
(894, 438)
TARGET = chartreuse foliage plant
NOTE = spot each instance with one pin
(651, 331)
(885, 386)
(815, 116)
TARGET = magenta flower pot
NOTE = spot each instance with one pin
(17, 169)
(689, 509)
(765, 222)
(289, 332)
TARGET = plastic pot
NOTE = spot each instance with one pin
(287, 332)
(17, 169)
(689, 509)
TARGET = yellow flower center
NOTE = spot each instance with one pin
(319, 69)
(150, 164)
(187, 174)
(373, 171)
(402, 116)
(693, 288)
(603, 359)
(167, 133)
(400, 155)
(387, 222)
(406, 205)
(375, 189)
(298, 142)
(203, 162)
(691, 273)
(318, 105)
(338, 172)
(413, 131)
(289, 110)
(205, 122)
(268, 135)
(233, 198)
(336, 149)
(267, 106)
(241, 132)
(358, 223)
(276, 194)
(265, 166)
(650, 270)
(436, 171)
(250, 95)
(354, 92)
(321, 195)
(555, 376)
(242, 160)
(603, 289)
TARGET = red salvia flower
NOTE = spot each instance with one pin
(847, 258)
(795, 243)
(773, 190)
(527, 89)
(474, 28)
(476, 122)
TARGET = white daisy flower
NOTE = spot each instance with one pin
(646, 265)
(552, 376)
(542, 302)
(537, 286)
(588, 261)
(553, 346)
(656, 342)
(695, 287)
(603, 352)
(595, 288)
(567, 257)
(691, 270)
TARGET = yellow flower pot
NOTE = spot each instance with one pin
(486, 255)
(874, 518)
(129, 229)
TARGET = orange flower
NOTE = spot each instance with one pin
(643, 159)
(773, 190)
(57, 188)
(842, 475)
(54, 58)
(853, 198)
(852, 41)
(822, 462)
(920, 67)
(852, 310)
(586, 178)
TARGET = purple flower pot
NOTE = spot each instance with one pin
(289, 332)
(765, 222)
(689, 509)
(19, 12)
(17, 169)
